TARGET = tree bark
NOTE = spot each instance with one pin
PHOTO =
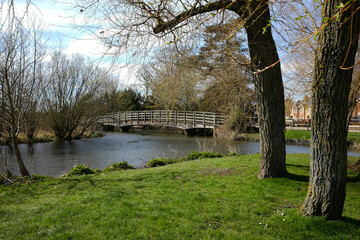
(269, 91)
(268, 84)
(330, 92)
(24, 172)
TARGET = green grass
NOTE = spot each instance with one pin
(298, 134)
(353, 137)
(201, 199)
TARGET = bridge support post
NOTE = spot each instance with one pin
(125, 129)
(190, 132)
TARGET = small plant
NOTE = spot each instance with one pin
(80, 170)
(199, 155)
(156, 162)
(119, 166)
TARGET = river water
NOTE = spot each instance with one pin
(57, 158)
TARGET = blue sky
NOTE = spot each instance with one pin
(58, 18)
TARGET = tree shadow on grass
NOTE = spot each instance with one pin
(296, 177)
(351, 221)
(353, 179)
(298, 166)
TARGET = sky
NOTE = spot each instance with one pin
(58, 18)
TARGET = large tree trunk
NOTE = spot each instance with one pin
(330, 92)
(269, 91)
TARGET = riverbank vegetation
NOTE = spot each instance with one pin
(218, 198)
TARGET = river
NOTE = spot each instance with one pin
(56, 158)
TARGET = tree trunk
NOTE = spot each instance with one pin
(24, 172)
(269, 91)
(268, 84)
(330, 92)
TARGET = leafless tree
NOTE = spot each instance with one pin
(174, 82)
(72, 99)
(21, 53)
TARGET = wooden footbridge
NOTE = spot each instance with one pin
(185, 120)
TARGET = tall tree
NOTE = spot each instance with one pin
(21, 54)
(122, 100)
(337, 45)
(72, 97)
(256, 18)
(173, 80)
(223, 62)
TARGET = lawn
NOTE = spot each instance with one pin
(201, 199)
(353, 137)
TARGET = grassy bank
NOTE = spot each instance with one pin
(217, 198)
(353, 137)
(48, 136)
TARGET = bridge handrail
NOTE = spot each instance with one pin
(164, 116)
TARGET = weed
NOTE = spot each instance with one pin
(119, 166)
(80, 170)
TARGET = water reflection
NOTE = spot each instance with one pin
(56, 158)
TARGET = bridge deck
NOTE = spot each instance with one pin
(178, 119)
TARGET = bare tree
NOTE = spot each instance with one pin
(173, 81)
(73, 95)
(21, 53)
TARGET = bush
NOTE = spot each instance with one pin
(199, 155)
(156, 162)
(81, 170)
(119, 166)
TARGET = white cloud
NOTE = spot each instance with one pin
(86, 46)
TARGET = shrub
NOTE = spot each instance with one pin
(199, 155)
(81, 170)
(119, 166)
(156, 162)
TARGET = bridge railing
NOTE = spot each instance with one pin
(163, 117)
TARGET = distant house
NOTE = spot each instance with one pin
(356, 112)
(301, 110)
